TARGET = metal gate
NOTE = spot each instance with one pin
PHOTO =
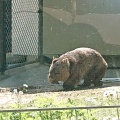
(22, 31)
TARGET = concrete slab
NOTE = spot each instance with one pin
(36, 75)
(32, 75)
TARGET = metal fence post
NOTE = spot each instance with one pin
(40, 34)
(2, 39)
(8, 24)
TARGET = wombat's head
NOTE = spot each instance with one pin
(59, 70)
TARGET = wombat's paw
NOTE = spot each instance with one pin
(67, 87)
(86, 84)
(56, 82)
(99, 83)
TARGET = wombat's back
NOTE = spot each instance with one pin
(85, 55)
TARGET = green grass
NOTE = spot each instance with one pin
(110, 97)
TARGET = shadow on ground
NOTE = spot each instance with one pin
(35, 76)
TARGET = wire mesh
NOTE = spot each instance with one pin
(21, 31)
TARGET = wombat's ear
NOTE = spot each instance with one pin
(53, 57)
(54, 60)
(65, 60)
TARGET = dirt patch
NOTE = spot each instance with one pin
(8, 97)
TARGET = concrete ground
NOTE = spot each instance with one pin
(36, 75)
(32, 74)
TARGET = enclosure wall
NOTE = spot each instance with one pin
(81, 23)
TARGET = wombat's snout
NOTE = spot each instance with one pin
(51, 80)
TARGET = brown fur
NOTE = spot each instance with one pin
(73, 66)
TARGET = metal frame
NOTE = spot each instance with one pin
(40, 39)
(2, 38)
(58, 108)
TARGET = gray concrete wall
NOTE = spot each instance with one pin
(95, 25)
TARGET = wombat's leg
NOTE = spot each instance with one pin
(88, 77)
(67, 86)
(99, 74)
(97, 81)
(87, 82)
(70, 84)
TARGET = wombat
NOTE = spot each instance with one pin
(76, 65)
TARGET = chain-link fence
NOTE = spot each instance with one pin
(23, 31)
(68, 24)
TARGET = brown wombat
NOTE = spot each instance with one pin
(76, 65)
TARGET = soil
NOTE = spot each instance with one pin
(7, 96)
